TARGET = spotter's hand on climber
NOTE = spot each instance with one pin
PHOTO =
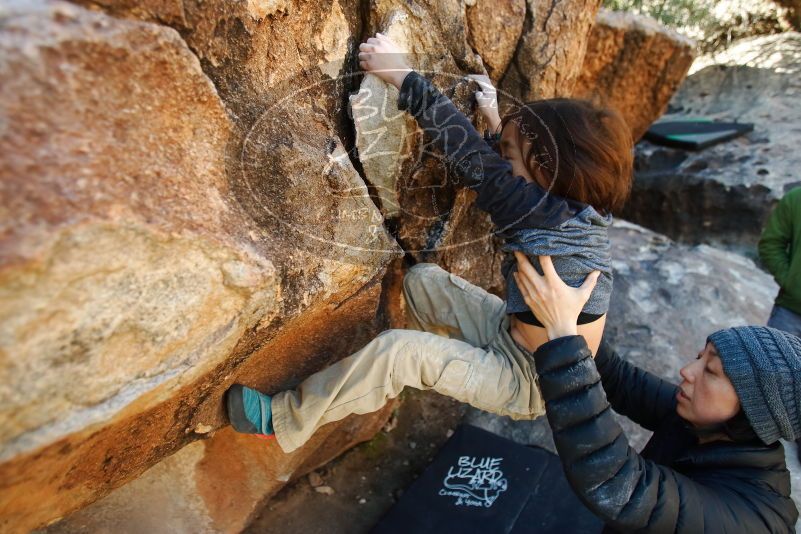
(557, 304)
(380, 56)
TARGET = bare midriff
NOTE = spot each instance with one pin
(531, 336)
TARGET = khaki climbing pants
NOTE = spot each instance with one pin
(460, 347)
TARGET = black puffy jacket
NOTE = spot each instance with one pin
(675, 484)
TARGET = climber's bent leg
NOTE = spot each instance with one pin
(443, 303)
(364, 381)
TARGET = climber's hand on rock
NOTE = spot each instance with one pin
(379, 55)
(487, 95)
(487, 99)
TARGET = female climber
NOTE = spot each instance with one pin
(714, 462)
(563, 166)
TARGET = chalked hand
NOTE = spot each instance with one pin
(380, 56)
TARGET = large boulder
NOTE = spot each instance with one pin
(141, 275)
(634, 65)
(723, 194)
(219, 484)
(215, 485)
(257, 51)
(550, 54)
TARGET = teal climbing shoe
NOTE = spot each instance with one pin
(249, 411)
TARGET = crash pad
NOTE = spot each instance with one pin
(694, 134)
(482, 482)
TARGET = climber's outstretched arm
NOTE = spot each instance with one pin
(511, 201)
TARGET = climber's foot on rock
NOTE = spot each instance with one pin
(249, 411)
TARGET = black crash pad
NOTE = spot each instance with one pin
(695, 134)
(483, 483)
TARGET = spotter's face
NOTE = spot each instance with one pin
(706, 395)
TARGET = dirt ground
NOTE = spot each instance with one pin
(351, 493)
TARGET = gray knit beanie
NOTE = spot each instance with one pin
(764, 364)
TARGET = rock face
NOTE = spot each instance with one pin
(258, 50)
(668, 297)
(215, 485)
(550, 53)
(183, 208)
(141, 275)
(387, 146)
(634, 65)
(494, 29)
(739, 181)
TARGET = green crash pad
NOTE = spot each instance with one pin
(694, 134)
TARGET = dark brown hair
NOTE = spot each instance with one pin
(578, 150)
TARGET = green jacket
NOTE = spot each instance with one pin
(780, 249)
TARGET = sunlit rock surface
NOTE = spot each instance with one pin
(550, 53)
(146, 253)
(634, 65)
(494, 29)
